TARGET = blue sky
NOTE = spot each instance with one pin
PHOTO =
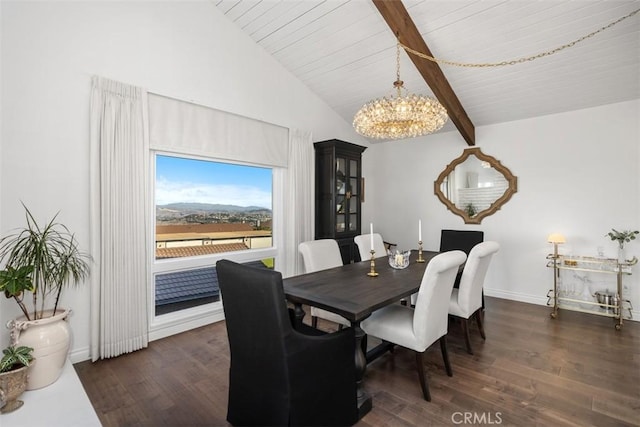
(189, 180)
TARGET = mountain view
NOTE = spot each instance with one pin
(206, 213)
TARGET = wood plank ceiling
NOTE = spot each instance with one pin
(345, 52)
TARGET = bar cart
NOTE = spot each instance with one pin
(615, 309)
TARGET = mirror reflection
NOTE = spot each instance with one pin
(475, 185)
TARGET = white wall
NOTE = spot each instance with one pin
(186, 50)
(1, 120)
(578, 174)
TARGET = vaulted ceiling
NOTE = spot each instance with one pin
(345, 52)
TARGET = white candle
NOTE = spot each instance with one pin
(419, 230)
(371, 234)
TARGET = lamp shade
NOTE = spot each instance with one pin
(556, 238)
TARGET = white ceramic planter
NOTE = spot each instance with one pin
(50, 338)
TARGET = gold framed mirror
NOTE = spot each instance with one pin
(475, 185)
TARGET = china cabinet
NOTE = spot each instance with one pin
(603, 302)
(338, 195)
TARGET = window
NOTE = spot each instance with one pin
(206, 210)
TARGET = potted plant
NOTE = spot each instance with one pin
(15, 282)
(470, 210)
(13, 376)
(622, 237)
(42, 260)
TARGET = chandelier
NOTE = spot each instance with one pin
(400, 116)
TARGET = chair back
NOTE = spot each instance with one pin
(460, 240)
(257, 323)
(432, 305)
(320, 255)
(472, 281)
(363, 242)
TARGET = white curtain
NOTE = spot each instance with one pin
(119, 218)
(298, 200)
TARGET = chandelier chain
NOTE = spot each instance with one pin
(398, 61)
(400, 116)
(519, 60)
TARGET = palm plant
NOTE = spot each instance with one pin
(54, 257)
(14, 282)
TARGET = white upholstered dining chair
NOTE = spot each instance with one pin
(321, 255)
(466, 301)
(363, 242)
(417, 328)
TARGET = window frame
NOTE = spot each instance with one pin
(182, 320)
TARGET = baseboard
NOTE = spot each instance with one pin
(531, 299)
(166, 327)
(163, 329)
(537, 299)
(79, 355)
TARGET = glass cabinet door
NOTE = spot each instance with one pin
(338, 195)
(354, 197)
(342, 200)
(340, 214)
(347, 195)
(341, 175)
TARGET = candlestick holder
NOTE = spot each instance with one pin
(420, 259)
(372, 272)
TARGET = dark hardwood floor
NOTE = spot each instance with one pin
(531, 371)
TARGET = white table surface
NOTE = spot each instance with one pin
(63, 403)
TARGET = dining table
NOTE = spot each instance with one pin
(354, 291)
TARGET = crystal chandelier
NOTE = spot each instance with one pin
(400, 116)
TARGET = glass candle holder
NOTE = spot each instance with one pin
(399, 259)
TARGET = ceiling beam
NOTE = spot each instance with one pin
(398, 19)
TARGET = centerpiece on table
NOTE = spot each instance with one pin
(399, 259)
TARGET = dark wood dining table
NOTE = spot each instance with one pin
(350, 292)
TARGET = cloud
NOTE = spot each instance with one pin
(187, 192)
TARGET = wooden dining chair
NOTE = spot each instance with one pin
(321, 255)
(466, 301)
(417, 328)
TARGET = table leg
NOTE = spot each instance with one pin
(298, 313)
(364, 400)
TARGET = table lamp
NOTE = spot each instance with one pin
(556, 239)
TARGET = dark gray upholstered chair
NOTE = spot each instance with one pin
(280, 375)
(460, 240)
